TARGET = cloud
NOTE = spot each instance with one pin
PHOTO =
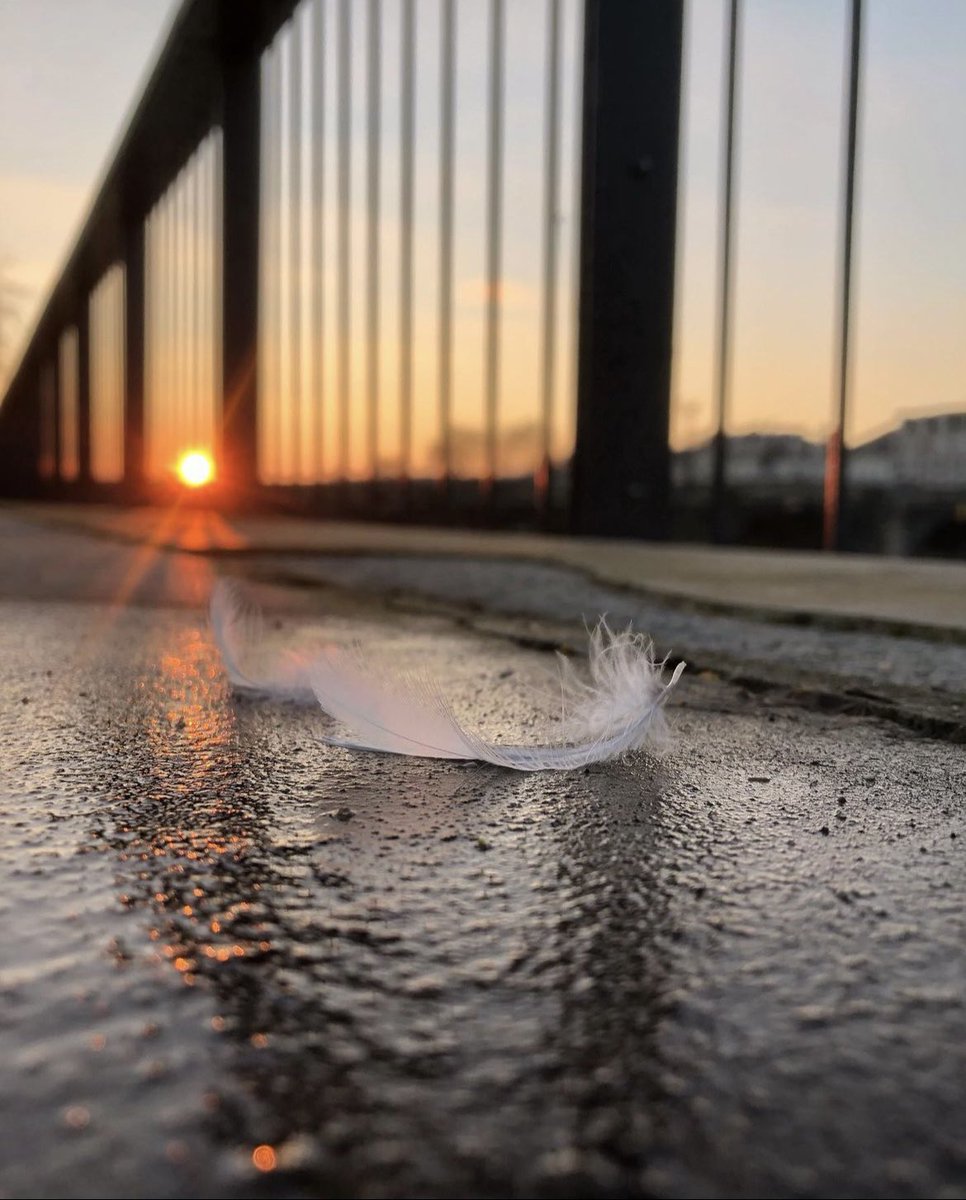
(36, 212)
(514, 295)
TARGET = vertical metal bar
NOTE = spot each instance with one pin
(204, 301)
(67, 387)
(631, 117)
(187, 307)
(318, 231)
(269, 267)
(494, 246)
(551, 185)
(150, 350)
(197, 308)
(211, 298)
(147, 227)
(114, 393)
(93, 310)
(217, 270)
(99, 397)
(182, 303)
(834, 491)
(174, 349)
(186, 291)
(163, 417)
(187, 300)
(121, 365)
(205, 234)
(195, 283)
(155, 396)
(573, 356)
(239, 265)
(295, 243)
(374, 106)
(344, 83)
(278, 313)
(44, 451)
(104, 397)
(47, 457)
(719, 502)
(129, 332)
(407, 121)
(56, 438)
(67, 410)
(84, 386)
(172, 414)
(288, 410)
(263, 442)
(447, 125)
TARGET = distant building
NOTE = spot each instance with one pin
(927, 453)
(923, 452)
(754, 460)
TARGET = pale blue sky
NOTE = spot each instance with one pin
(70, 69)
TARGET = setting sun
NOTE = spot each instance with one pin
(196, 468)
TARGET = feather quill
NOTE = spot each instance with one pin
(619, 708)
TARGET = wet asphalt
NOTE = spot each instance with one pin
(237, 962)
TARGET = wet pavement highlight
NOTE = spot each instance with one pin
(238, 962)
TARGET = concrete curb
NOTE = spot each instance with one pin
(924, 598)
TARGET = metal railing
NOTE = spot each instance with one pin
(834, 482)
(414, 259)
(306, 260)
(359, 135)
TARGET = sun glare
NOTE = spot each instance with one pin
(196, 468)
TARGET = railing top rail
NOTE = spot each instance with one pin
(180, 101)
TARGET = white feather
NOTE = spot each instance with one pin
(251, 666)
(618, 709)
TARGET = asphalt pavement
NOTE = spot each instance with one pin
(238, 962)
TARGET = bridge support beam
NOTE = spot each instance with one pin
(631, 107)
(20, 435)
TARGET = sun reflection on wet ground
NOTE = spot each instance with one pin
(238, 837)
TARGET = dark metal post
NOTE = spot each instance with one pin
(719, 502)
(631, 111)
(134, 359)
(834, 497)
(239, 263)
(20, 434)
